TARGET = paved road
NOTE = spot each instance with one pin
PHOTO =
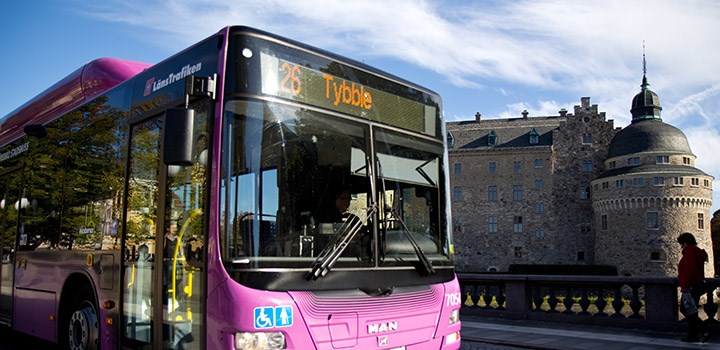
(466, 345)
(10, 340)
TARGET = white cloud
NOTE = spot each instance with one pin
(560, 47)
(705, 143)
(696, 104)
(589, 48)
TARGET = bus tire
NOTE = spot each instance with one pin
(83, 327)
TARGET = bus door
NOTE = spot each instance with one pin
(9, 189)
(140, 268)
(164, 248)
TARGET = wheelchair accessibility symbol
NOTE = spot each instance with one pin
(269, 317)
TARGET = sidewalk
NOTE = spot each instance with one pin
(561, 336)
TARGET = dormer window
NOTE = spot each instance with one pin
(450, 140)
(534, 136)
(492, 138)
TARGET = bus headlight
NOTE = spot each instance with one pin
(454, 317)
(259, 340)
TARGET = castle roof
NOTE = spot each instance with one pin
(508, 133)
(649, 135)
(654, 170)
(647, 132)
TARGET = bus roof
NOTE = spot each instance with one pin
(240, 29)
(80, 86)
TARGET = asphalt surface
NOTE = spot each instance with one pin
(11, 340)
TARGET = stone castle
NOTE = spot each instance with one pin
(572, 189)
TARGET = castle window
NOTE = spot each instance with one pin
(659, 181)
(450, 140)
(538, 184)
(517, 224)
(586, 166)
(686, 160)
(492, 193)
(458, 169)
(586, 226)
(662, 159)
(587, 139)
(517, 192)
(539, 233)
(605, 185)
(492, 138)
(538, 163)
(457, 193)
(604, 222)
(639, 182)
(656, 256)
(612, 165)
(694, 182)
(580, 256)
(492, 224)
(701, 221)
(517, 166)
(620, 183)
(634, 161)
(652, 220)
(518, 252)
(457, 224)
(492, 167)
(539, 207)
(534, 136)
(583, 192)
(678, 181)
(706, 183)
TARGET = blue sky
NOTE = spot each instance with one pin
(494, 57)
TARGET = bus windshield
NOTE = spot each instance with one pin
(294, 180)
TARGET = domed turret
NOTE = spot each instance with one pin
(646, 104)
(649, 135)
(649, 192)
(647, 132)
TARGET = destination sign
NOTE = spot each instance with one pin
(299, 83)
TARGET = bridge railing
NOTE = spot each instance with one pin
(638, 302)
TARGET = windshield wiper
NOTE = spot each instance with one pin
(329, 256)
(424, 265)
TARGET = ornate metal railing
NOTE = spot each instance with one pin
(640, 302)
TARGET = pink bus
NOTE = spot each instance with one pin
(250, 192)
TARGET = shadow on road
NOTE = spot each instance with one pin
(11, 340)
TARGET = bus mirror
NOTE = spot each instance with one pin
(178, 146)
(35, 130)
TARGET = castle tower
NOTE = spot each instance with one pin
(649, 193)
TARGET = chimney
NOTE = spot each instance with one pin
(478, 117)
(563, 112)
(525, 114)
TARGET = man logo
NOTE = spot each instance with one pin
(382, 327)
(383, 341)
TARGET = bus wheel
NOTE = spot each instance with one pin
(83, 327)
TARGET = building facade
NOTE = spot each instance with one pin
(566, 190)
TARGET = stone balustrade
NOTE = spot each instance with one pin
(614, 301)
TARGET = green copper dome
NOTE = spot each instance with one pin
(646, 104)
